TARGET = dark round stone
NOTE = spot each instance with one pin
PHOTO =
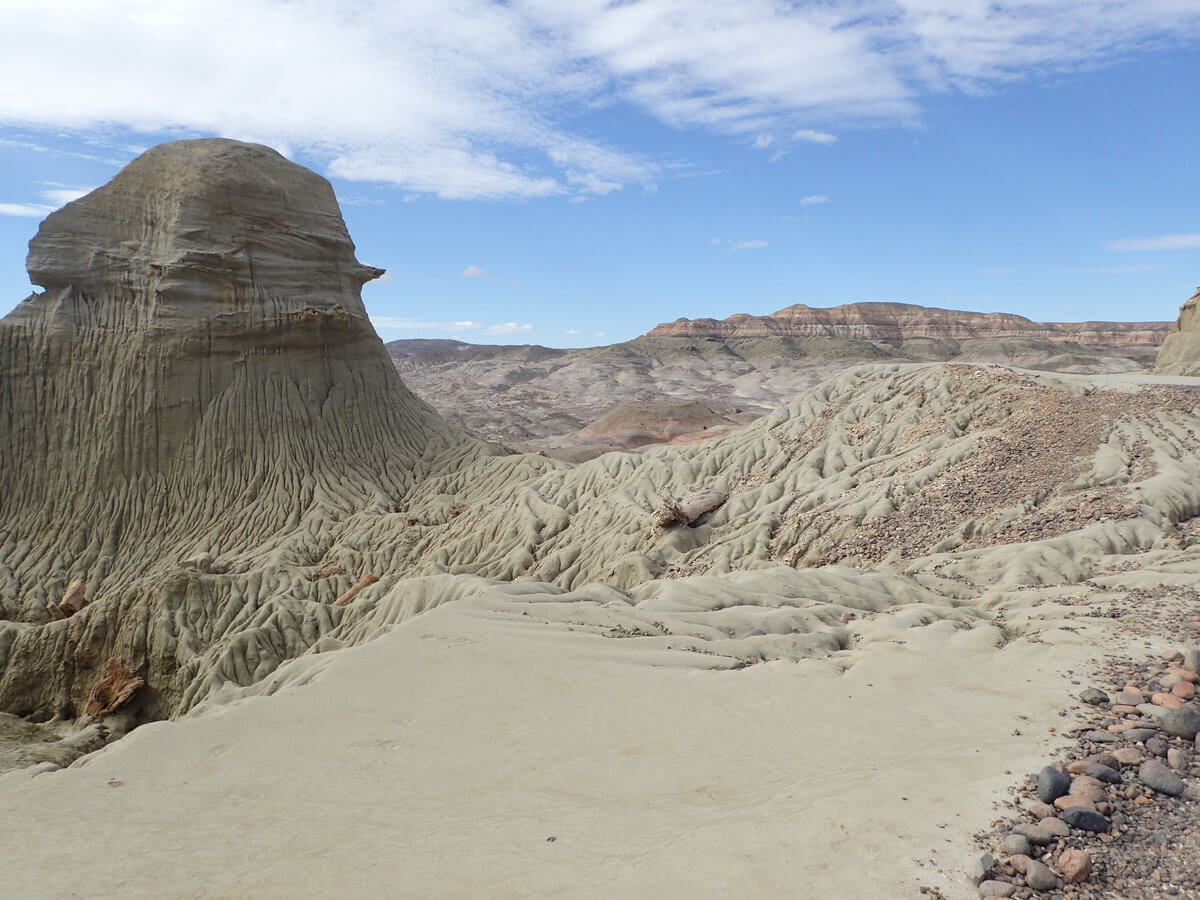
(1052, 783)
(1084, 819)
(1103, 773)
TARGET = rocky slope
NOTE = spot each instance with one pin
(898, 322)
(540, 398)
(1180, 354)
(219, 504)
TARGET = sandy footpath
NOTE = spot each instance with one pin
(441, 758)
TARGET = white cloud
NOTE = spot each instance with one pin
(1111, 270)
(572, 331)
(55, 196)
(995, 271)
(35, 210)
(814, 137)
(61, 196)
(508, 328)
(477, 99)
(396, 323)
(813, 200)
(473, 272)
(735, 246)
(1162, 242)
(600, 334)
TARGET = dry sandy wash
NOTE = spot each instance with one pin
(539, 691)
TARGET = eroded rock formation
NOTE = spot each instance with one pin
(197, 380)
(905, 322)
(203, 427)
(1180, 353)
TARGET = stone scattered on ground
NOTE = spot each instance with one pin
(1116, 816)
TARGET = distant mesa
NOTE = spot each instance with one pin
(906, 321)
(1180, 353)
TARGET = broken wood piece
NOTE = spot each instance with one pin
(688, 509)
(114, 689)
(364, 582)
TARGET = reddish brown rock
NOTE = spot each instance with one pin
(1167, 701)
(73, 600)
(1184, 690)
(1075, 865)
(114, 689)
(1128, 756)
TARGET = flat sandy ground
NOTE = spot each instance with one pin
(474, 752)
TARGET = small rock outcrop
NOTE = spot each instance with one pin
(114, 689)
(1180, 353)
(686, 510)
(73, 600)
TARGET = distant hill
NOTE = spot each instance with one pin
(551, 399)
(906, 321)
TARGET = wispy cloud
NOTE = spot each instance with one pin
(396, 323)
(812, 136)
(1000, 271)
(1162, 242)
(508, 328)
(734, 246)
(33, 210)
(483, 101)
(60, 195)
(481, 274)
(54, 196)
(813, 200)
(1111, 270)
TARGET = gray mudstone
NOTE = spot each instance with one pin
(1176, 759)
(1039, 877)
(1157, 746)
(996, 889)
(1017, 843)
(1191, 660)
(1101, 737)
(1094, 697)
(1184, 723)
(1152, 710)
(1055, 826)
(979, 866)
(1085, 819)
(1052, 783)
(1138, 735)
(1035, 833)
(1103, 773)
(1153, 773)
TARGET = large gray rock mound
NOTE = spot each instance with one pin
(1180, 353)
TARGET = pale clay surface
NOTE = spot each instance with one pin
(537, 658)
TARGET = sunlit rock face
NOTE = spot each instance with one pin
(198, 376)
(1180, 353)
(905, 321)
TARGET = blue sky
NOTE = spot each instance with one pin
(574, 173)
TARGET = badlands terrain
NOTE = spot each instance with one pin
(693, 379)
(270, 625)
